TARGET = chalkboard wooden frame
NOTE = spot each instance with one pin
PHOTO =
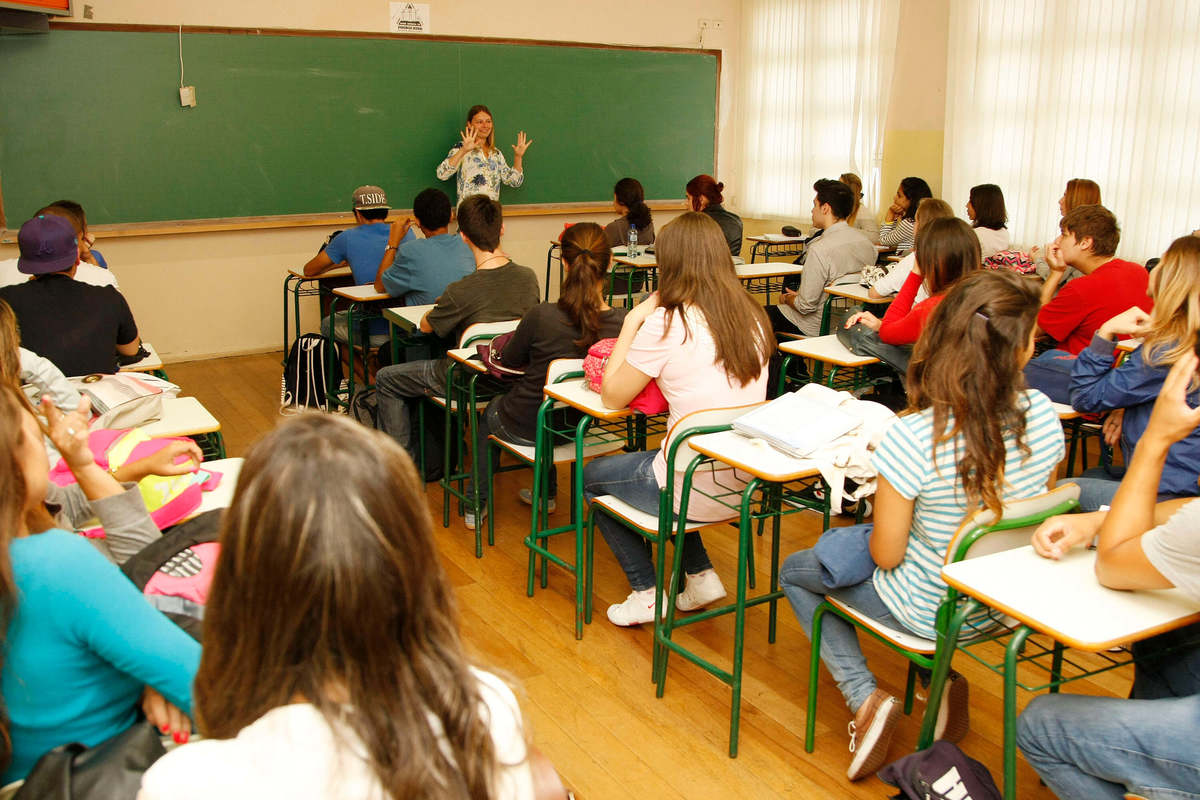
(331, 218)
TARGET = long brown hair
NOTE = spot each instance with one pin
(696, 271)
(329, 589)
(946, 250)
(12, 514)
(1081, 192)
(855, 184)
(967, 368)
(586, 254)
(705, 186)
(10, 344)
(1175, 320)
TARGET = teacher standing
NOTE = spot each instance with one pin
(480, 166)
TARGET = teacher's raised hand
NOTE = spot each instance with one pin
(469, 142)
(522, 145)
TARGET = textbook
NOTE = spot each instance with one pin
(796, 423)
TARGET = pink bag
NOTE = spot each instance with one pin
(648, 401)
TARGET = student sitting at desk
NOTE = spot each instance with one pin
(930, 209)
(704, 194)
(82, 646)
(629, 200)
(563, 329)
(839, 251)
(1128, 390)
(896, 230)
(497, 290)
(946, 250)
(706, 343)
(361, 247)
(972, 438)
(419, 270)
(1093, 748)
(89, 269)
(1109, 286)
(79, 327)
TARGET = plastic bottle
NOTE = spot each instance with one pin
(631, 249)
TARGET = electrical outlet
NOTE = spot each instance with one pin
(712, 24)
(87, 12)
(187, 96)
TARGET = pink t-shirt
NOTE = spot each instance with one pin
(689, 378)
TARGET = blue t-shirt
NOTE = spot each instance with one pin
(362, 248)
(425, 267)
(82, 644)
(919, 471)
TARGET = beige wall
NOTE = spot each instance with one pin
(201, 295)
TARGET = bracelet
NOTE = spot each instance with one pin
(391, 247)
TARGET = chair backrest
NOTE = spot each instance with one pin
(482, 331)
(711, 417)
(982, 534)
(562, 366)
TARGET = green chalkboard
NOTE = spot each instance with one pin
(290, 124)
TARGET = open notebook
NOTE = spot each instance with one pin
(796, 423)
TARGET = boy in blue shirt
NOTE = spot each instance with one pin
(419, 270)
(360, 247)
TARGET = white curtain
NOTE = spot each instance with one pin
(814, 99)
(1042, 91)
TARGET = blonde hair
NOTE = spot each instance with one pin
(1175, 320)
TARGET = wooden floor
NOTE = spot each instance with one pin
(590, 704)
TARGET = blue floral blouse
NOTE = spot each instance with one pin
(479, 173)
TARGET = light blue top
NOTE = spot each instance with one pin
(362, 248)
(82, 644)
(909, 461)
(425, 267)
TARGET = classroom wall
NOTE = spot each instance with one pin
(212, 294)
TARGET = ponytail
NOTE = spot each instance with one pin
(630, 194)
(586, 253)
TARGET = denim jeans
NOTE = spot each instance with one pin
(1098, 488)
(800, 579)
(395, 386)
(491, 423)
(1102, 747)
(630, 477)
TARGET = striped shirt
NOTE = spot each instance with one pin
(913, 590)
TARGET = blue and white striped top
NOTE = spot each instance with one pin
(906, 458)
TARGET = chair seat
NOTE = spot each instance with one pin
(897, 636)
(641, 519)
(563, 453)
(480, 405)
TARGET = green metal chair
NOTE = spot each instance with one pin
(979, 535)
(549, 450)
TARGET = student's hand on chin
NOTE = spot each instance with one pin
(1173, 419)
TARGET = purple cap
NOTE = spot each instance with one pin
(48, 244)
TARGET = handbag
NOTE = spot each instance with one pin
(112, 770)
(491, 354)
(649, 400)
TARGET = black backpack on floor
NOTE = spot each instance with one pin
(306, 373)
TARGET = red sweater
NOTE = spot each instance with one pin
(903, 322)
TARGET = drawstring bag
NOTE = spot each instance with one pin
(649, 400)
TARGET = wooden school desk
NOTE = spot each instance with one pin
(404, 326)
(187, 416)
(763, 278)
(1061, 599)
(356, 299)
(770, 245)
(821, 350)
(847, 288)
(295, 285)
(151, 363)
(222, 496)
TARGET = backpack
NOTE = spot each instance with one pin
(364, 407)
(305, 375)
(176, 571)
(1014, 260)
(943, 772)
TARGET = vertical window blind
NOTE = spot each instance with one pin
(1042, 91)
(814, 99)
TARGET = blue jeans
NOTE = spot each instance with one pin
(630, 477)
(800, 579)
(399, 383)
(491, 423)
(1098, 488)
(1102, 747)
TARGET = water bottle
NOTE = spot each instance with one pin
(631, 249)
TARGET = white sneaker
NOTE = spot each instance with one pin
(702, 589)
(469, 517)
(637, 609)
